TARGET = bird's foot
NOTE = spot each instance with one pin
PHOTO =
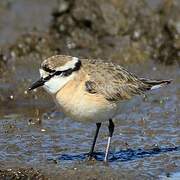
(90, 157)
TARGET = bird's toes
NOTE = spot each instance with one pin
(90, 157)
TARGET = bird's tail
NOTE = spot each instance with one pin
(155, 84)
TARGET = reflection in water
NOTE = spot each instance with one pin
(123, 155)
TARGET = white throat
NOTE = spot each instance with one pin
(56, 83)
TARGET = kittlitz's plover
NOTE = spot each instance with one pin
(90, 90)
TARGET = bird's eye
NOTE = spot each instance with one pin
(47, 69)
(67, 72)
(58, 73)
(63, 73)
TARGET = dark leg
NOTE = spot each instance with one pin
(94, 141)
(111, 130)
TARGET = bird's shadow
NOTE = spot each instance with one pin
(122, 155)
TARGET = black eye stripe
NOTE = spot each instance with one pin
(47, 69)
(48, 77)
(62, 73)
(71, 70)
(77, 66)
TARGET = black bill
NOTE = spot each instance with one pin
(37, 84)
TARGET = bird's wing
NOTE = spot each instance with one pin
(111, 80)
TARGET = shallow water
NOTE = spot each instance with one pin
(145, 143)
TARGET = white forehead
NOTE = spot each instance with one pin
(43, 73)
(69, 64)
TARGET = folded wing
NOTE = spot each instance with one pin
(115, 82)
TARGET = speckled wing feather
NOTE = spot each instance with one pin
(111, 80)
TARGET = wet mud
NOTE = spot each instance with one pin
(21, 174)
(37, 141)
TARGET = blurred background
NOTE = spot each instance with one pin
(141, 35)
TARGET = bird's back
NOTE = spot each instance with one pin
(113, 81)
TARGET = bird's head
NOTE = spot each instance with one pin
(56, 71)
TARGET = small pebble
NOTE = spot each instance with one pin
(11, 97)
